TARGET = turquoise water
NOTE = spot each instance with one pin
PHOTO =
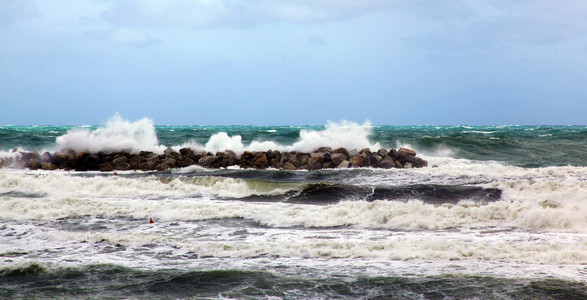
(525, 146)
(500, 213)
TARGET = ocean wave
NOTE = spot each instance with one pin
(409, 215)
(122, 135)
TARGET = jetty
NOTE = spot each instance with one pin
(320, 158)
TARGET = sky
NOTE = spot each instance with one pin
(294, 62)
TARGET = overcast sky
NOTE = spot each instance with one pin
(261, 62)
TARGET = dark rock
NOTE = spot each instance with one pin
(357, 161)
(61, 160)
(382, 152)
(136, 161)
(387, 163)
(107, 167)
(407, 151)
(328, 165)
(232, 158)
(374, 160)
(304, 158)
(121, 163)
(168, 152)
(33, 164)
(316, 160)
(162, 167)
(365, 150)
(260, 161)
(338, 157)
(76, 161)
(120, 160)
(343, 164)
(47, 157)
(171, 162)
(207, 161)
(323, 149)
(341, 150)
(185, 162)
(187, 152)
(393, 154)
(289, 166)
(92, 162)
(147, 165)
(293, 159)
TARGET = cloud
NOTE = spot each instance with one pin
(316, 40)
(235, 13)
(123, 37)
(499, 25)
(14, 10)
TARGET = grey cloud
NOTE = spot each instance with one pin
(202, 13)
(123, 37)
(316, 40)
(14, 10)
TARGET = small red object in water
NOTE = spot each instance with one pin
(151, 220)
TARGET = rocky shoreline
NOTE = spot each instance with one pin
(321, 158)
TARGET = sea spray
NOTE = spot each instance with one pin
(118, 135)
(335, 135)
(500, 213)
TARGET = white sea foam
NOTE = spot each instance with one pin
(335, 134)
(210, 240)
(117, 135)
(122, 135)
(62, 185)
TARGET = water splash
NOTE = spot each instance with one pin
(118, 135)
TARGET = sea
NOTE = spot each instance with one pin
(499, 213)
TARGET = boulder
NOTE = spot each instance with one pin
(162, 167)
(328, 165)
(323, 149)
(77, 160)
(232, 158)
(61, 160)
(343, 151)
(315, 161)
(171, 162)
(357, 161)
(382, 152)
(374, 160)
(92, 162)
(393, 154)
(260, 161)
(343, 164)
(136, 161)
(207, 161)
(148, 165)
(338, 157)
(289, 166)
(33, 164)
(186, 161)
(407, 151)
(365, 150)
(293, 159)
(387, 163)
(107, 167)
(169, 152)
(304, 158)
(187, 152)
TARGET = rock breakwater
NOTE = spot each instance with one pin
(321, 158)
